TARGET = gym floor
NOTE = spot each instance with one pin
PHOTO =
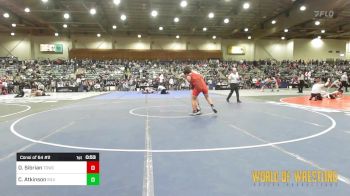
(149, 145)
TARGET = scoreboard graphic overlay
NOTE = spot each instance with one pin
(58, 169)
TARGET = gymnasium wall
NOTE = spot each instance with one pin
(27, 46)
(88, 42)
(318, 48)
(274, 49)
(247, 45)
(203, 44)
(131, 43)
(145, 54)
(347, 55)
(145, 43)
(15, 46)
(67, 44)
(166, 43)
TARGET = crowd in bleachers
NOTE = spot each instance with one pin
(94, 75)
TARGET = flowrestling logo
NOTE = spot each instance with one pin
(294, 178)
(324, 14)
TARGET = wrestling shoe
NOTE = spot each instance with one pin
(196, 113)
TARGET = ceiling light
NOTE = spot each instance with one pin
(13, 25)
(161, 28)
(6, 15)
(154, 13)
(246, 29)
(44, 1)
(249, 37)
(226, 20)
(92, 11)
(114, 26)
(246, 5)
(205, 28)
(319, 37)
(27, 9)
(178, 37)
(286, 30)
(183, 3)
(66, 16)
(123, 17)
(283, 38)
(302, 8)
(273, 22)
(98, 35)
(323, 31)
(214, 37)
(116, 2)
(176, 19)
(139, 35)
(211, 15)
(317, 22)
(65, 25)
(56, 34)
(13, 34)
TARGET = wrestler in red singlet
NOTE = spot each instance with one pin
(199, 86)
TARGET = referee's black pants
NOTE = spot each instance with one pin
(345, 85)
(301, 86)
(233, 87)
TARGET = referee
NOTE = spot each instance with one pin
(234, 78)
(301, 83)
(344, 81)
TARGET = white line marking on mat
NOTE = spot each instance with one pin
(27, 108)
(148, 184)
(320, 109)
(40, 139)
(332, 126)
(132, 112)
(296, 156)
(290, 118)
